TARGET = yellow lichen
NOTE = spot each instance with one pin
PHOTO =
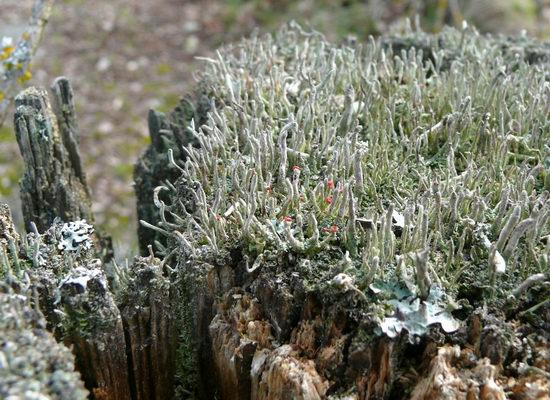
(26, 76)
(6, 51)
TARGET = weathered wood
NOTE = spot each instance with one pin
(49, 188)
(119, 358)
(149, 324)
(54, 184)
(66, 118)
(93, 326)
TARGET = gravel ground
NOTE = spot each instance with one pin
(127, 56)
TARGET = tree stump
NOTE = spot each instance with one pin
(360, 221)
(318, 221)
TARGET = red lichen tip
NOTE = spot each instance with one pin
(333, 229)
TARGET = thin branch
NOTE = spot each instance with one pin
(15, 60)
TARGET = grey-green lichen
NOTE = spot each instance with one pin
(60, 258)
(32, 364)
(86, 305)
(425, 168)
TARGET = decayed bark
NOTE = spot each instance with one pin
(244, 350)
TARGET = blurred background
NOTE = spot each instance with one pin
(127, 56)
